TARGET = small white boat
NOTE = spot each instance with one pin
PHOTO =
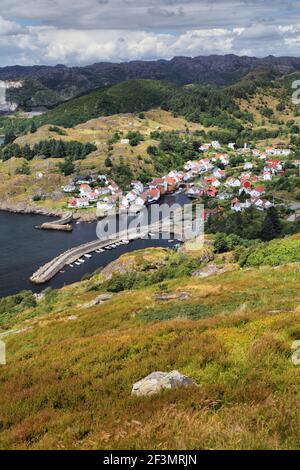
(88, 256)
(71, 265)
(81, 260)
(170, 241)
(77, 264)
(101, 251)
(108, 247)
(113, 245)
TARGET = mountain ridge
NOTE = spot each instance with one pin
(55, 84)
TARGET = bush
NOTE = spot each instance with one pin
(274, 253)
(14, 305)
(171, 311)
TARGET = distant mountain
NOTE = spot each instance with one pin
(48, 86)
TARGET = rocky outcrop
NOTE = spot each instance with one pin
(158, 381)
(211, 270)
(29, 208)
(98, 300)
(173, 296)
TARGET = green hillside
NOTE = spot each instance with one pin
(141, 95)
(71, 365)
(127, 97)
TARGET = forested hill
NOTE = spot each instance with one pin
(141, 95)
(45, 85)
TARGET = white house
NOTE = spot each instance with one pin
(267, 176)
(248, 166)
(78, 203)
(137, 186)
(85, 190)
(205, 147)
(257, 192)
(233, 182)
(219, 174)
(216, 144)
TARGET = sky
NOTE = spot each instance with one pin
(81, 32)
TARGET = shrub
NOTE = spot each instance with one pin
(171, 311)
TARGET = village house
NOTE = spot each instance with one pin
(248, 166)
(212, 181)
(267, 175)
(219, 174)
(232, 146)
(276, 152)
(205, 165)
(78, 203)
(153, 195)
(177, 175)
(223, 196)
(236, 205)
(275, 166)
(102, 178)
(258, 191)
(233, 182)
(205, 147)
(193, 192)
(261, 204)
(159, 184)
(113, 187)
(83, 179)
(85, 190)
(137, 186)
(104, 207)
(210, 192)
(221, 158)
(216, 144)
(171, 184)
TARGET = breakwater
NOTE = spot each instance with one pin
(63, 224)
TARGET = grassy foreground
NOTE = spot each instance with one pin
(68, 377)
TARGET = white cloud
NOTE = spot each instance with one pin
(85, 31)
(51, 45)
(8, 28)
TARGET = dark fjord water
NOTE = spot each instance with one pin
(24, 249)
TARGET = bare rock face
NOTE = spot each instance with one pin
(98, 300)
(157, 381)
(210, 270)
(173, 296)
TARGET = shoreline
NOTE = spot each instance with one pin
(23, 208)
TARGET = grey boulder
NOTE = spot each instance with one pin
(157, 381)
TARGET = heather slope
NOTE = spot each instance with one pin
(71, 373)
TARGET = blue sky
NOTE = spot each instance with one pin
(80, 32)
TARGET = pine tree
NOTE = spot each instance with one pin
(33, 128)
(271, 226)
(28, 154)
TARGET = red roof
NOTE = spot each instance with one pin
(154, 192)
(260, 189)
